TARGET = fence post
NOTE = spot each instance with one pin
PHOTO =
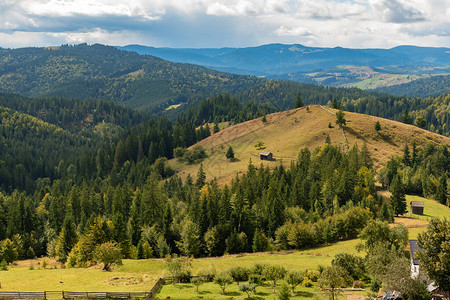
(45, 294)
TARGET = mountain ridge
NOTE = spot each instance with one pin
(334, 66)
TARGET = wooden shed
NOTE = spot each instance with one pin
(417, 207)
(264, 155)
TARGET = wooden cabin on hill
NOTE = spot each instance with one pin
(417, 207)
(264, 155)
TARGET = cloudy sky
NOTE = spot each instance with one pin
(221, 23)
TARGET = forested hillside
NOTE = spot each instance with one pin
(426, 87)
(103, 72)
(75, 115)
(41, 139)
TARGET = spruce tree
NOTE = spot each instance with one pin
(406, 156)
(201, 177)
(377, 126)
(216, 127)
(405, 117)
(441, 191)
(298, 101)
(340, 118)
(230, 153)
(398, 199)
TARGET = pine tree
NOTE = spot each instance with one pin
(201, 177)
(377, 126)
(405, 117)
(230, 153)
(216, 127)
(398, 199)
(386, 213)
(406, 156)
(298, 101)
(441, 191)
(66, 239)
(340, 118)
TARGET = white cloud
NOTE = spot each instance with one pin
(398, 11)
(216, 23)
(295, 31)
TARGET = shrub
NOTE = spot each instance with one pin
(294, 279)
(3, 265)
(274, 273)
(307, 282)
(247, 288)
(208, 273)
(197, 281)
(283, 292)
(44, 263)
(358, 284)
(223, 280)
(258, 269)
(312, 275)
(239, 274)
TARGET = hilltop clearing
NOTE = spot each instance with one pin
(286, 132)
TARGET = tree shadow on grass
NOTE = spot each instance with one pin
(204, 292)
(303, 294)
(182, 286)
(233, 294)
(263, 294)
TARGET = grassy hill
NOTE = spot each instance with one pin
(286, 132)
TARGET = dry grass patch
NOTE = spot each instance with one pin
(286, 132)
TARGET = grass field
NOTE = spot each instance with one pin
(432, 208)
(286, 132)
(212, 291)
(140, 275)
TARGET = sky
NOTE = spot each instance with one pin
(225, 23)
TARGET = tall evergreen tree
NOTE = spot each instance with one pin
(66, 239)
(442, 191)
(398, 199)
(201, 177)
(340, 118)
(298, 101)
(230, 153)
(406, 156)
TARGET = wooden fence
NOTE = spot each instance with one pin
(85, 295)
(72, 295)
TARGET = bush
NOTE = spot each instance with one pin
(109, 254)
(239, 274)
(375, 285)
(3, 265)
(354, 265)
(208, 273)
(312, 275)
(197, 281)
(247, 288)
(307, 282)
(283, 292)
(274, 273)
(223, 280)
(358, 284)
(258, 269)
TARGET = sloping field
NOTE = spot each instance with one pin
(286, 132)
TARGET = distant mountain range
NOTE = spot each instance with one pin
(363, 68)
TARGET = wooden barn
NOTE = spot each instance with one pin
(417, 207)
(264, 155)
